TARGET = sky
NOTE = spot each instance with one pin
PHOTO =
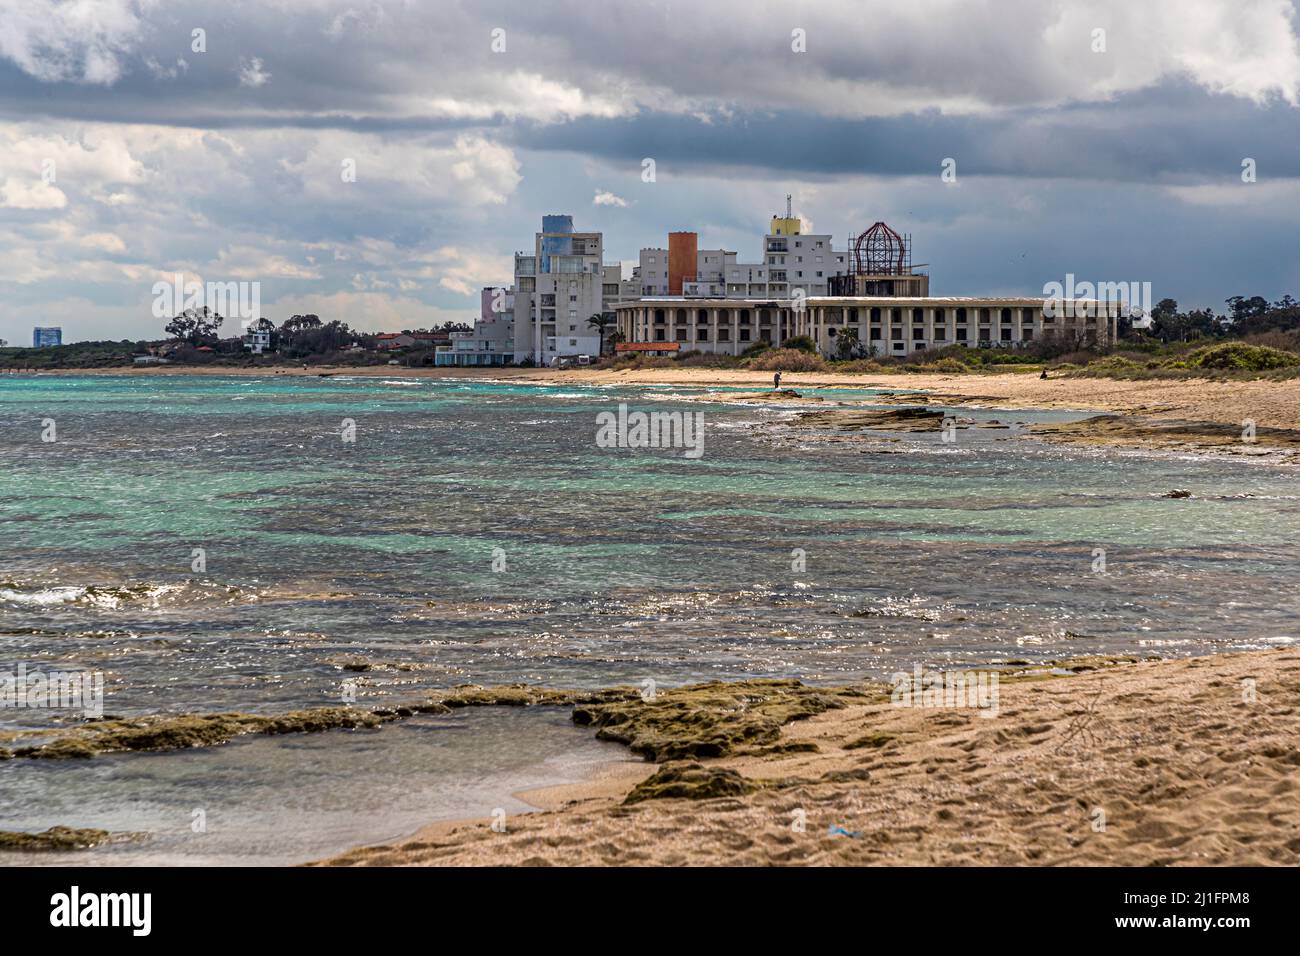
(379, 162)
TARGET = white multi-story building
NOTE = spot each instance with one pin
(492, 340)
(790, 261)
(558, 288)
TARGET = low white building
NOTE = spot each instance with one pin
(492, 339)
(257, 341)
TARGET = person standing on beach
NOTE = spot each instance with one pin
(776, 381)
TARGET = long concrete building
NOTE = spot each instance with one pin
(871, 293)
(882, 325)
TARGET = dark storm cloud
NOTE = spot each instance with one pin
(1168, 135)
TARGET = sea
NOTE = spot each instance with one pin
(269, 543)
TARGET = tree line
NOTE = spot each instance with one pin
(297, 336)
(1246, 315)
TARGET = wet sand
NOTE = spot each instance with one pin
(1154, 763)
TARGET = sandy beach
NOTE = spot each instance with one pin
(1151, 763)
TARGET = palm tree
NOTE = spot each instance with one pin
(600, 321)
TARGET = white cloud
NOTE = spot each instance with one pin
(251, 73)
(606, 198)
(77, 41)
(465, 271)
(31, 194)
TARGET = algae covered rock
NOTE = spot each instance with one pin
(712, 719)
(168, 732)
(53, 839)
(690, 782)
(162, 732)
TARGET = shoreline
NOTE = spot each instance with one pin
(1149, 763)
(1268, 403)
(1247, 420)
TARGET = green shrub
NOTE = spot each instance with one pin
(787, 360)
(945, 365)
(801, 342)
(857, 366)
(1238, 356)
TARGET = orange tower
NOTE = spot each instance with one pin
(682, 249)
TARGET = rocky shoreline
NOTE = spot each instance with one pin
(1109, 761)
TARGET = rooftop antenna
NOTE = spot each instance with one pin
(788, 215)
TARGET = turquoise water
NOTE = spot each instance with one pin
(372, 561)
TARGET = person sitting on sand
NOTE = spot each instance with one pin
(776, 381)
(1044, 375)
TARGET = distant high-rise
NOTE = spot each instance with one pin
(559, 285)
(43, 336)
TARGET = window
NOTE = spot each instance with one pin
(1006, 335)
(961, 335)
(918, 333)
(896, 332)
(875, 335)
(744, 335)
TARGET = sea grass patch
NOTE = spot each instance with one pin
(712, 719)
